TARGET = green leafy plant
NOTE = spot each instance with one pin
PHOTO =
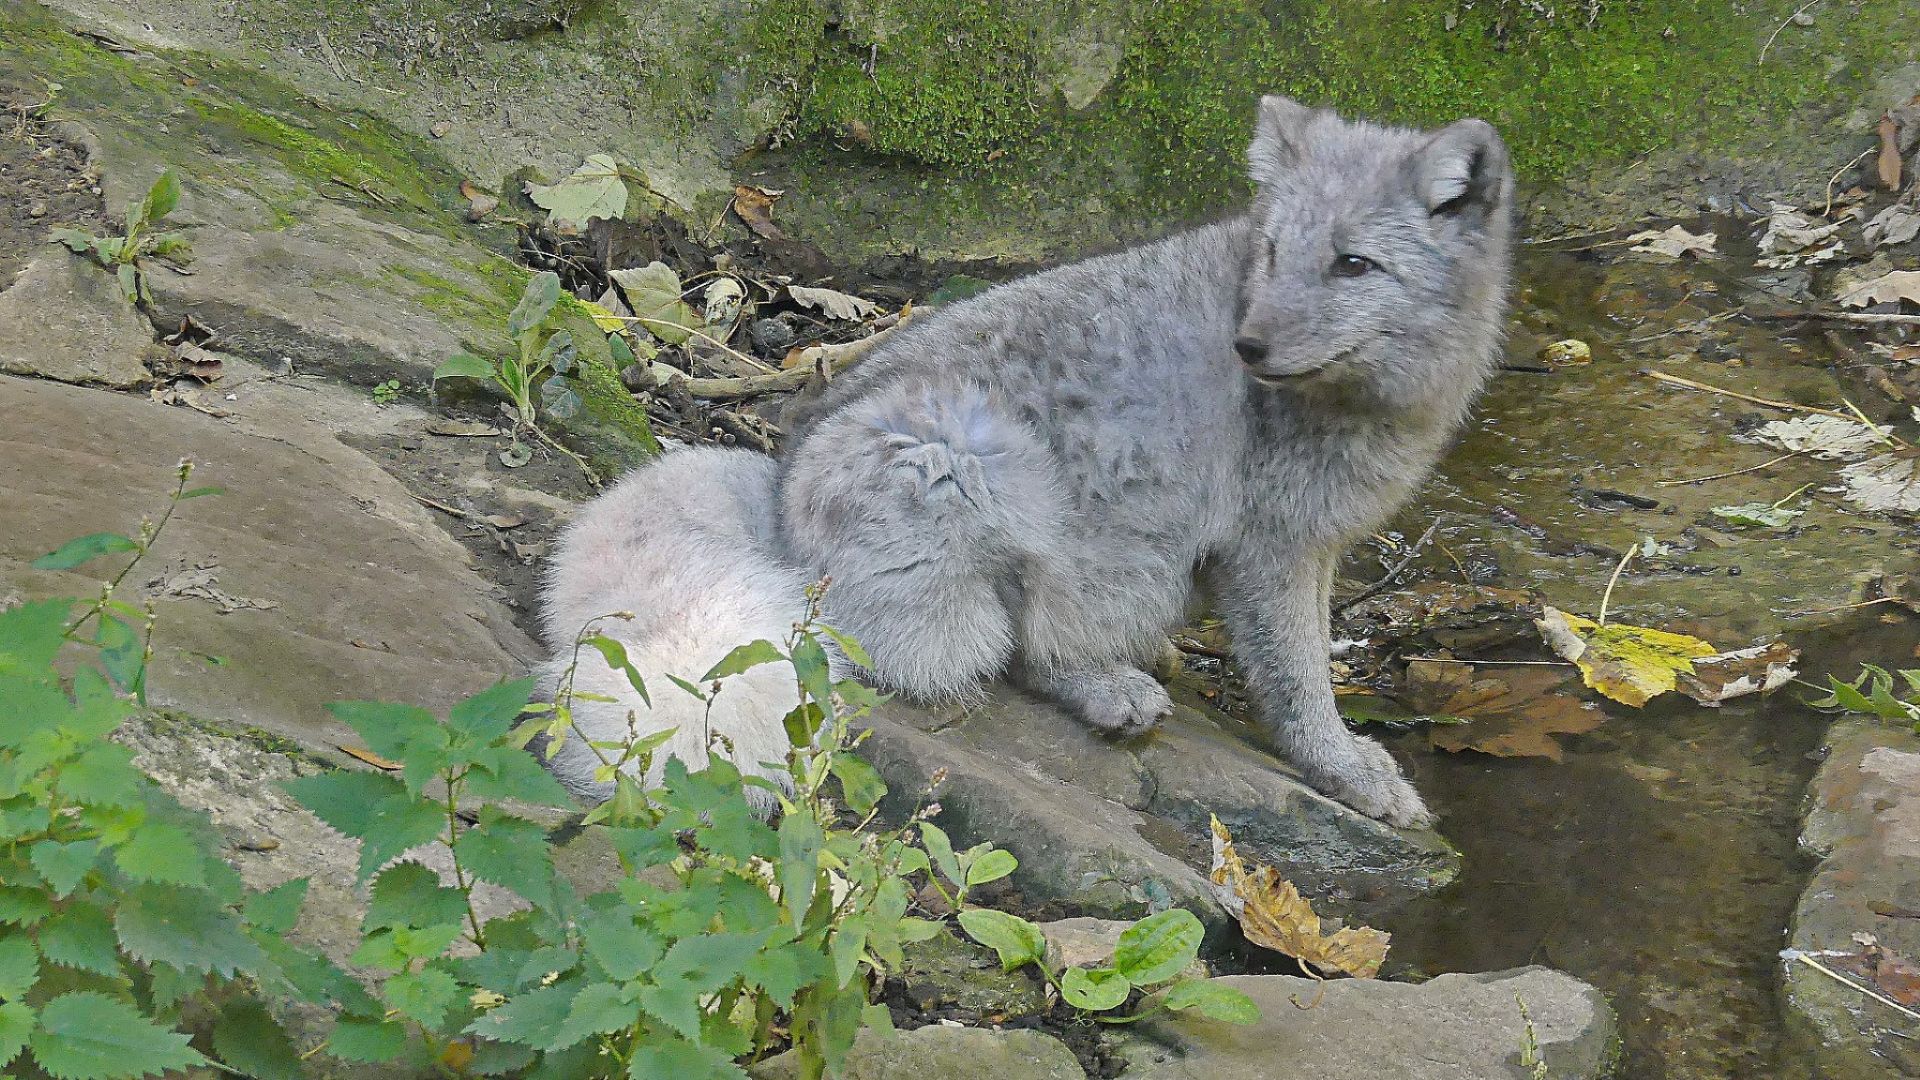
(534, 377)
(1871, 693)
(118, 920)
(386, 393)
(1150, 957)
(122, 254)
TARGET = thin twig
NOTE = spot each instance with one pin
(1489, 663)
(1828, 211)
(1789, 406)
(1874, 994)
(831, 358)
(1783, 25)
(1612, 581)
(440, 506)
(1736, 472)
(1386, 582)
(1864, 318)
(1843, 607)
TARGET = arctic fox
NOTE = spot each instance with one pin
(1028, 482)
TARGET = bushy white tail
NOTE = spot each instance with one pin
(685, 544)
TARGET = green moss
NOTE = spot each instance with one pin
(435, 292)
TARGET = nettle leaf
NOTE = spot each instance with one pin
(783, 971)
(508, 851)
(744, 658)
(344, 799)
(19, 967)
(1213, 1000)
(248, 1040)
(16, 1024)
(23, 906)
(492, 712)
(623, 949)
(543, 291)
(529, 1018)
(1158, 947)
(177, 926)
(1094, 989)
(398, 947)
(84, 549)
(397, 732)
(163, 853)
(64, 865)
(668, 1058)
(410, 894)
(103, 775)
(89, 1036)
(598, 1008)
(507, 772)
(1015, 939)
(991, 866)
(30, 636)
(80, 936)
(427, 995)
(708, 962)
(278, 909)
(371, 1041)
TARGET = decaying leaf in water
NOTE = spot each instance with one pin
(1894, 225)
(755, 207)
(1569, 353)
(1516, 713)
(1889, 288)
(1630, 664)
(1673, 242)
(1274, 915)
(1762, 515)
(1888, 972)
(1724, 676)
(1794, 239)
(1887, 482)
(833, 303)
(1829, 437)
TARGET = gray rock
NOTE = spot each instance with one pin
(1027, 776)
(1863, 823)
(1455, 1027)
(314, 578)
(64, 318)
(944, 1053)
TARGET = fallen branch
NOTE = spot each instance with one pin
(1736, 472)
(1864, 318)
(1803, 957)
(829, 360)
(1400, 567)
(1789, 406)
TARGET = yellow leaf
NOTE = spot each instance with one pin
(1630, 664)
(606, 320)
(1274, 915)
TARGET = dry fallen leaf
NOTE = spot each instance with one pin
(1516, 714)
(1829, 437)
(1630, 664)
(1274, 915)
(369, 757)
(1887, 482)
(1724, 676)
(833, 303)
(1889, 162)
(479, 203)
(755, 207)
(1894, 225)
(1886, 289)
(1794, 239)
(468, 429)
(1673, 242)
(1891, 974)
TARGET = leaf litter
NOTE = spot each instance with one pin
(1273, 915)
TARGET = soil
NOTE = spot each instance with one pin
(45, 182)
(1086, 1038)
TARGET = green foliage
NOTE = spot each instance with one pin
(1872, 693)
(1149, 957)
(121, 909)
(387, 393)
(122, 254)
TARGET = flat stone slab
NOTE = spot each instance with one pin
(314, 578)
(1863, 823)
(1455, 1027)
(944, 1053)
(64, 318)
(1145, 804)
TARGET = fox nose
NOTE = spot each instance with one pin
(1252, 350)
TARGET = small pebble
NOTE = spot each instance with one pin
(37, 210)
(256, 842)
(771, 336)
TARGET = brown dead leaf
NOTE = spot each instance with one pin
(479, 203)
(505, 521)
(195, 362)
(1728, 675)
(369, 757)
(1514, 714)
(1274, 915)
(462, 429)
(1630, 664)
(1889, 164)
(755, 207)
(1890, 973)
(1885, 289)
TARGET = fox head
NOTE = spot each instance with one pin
(1378, 263)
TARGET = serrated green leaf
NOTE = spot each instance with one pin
(783, 971)
(510, 852)
(16, 1024)
(940, 849)
(398, 947)
(991, 866)
(393, 731)
(84, 549)
(508, 772)
(543, 291)
(370, 1041)
(163, 853)
(175, 925)
(278, 909)
(1016, 940)
(248, 1040)
(64, 865)
(23, 906)
(80, 936)
(623, 949)
(744, 658)
(89, 1036)
(19, 967)
(1213, 1000)
(528, 1018)
(668, 1058)
(597, 1008)
(1158, 947)
(102, 775)
(426, 996)
(410, 894)
(345, 799)
(30, 636)
(465, 366)
(1094, 989)
(492, 712)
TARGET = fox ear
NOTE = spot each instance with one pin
(1463, 171)
(1277, 137)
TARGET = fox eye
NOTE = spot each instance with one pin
(1353, 266)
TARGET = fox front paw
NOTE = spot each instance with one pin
(1121, 701)
(1369, 781)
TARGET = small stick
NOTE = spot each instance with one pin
(1736, 472)
(1615, 579)
(1865, 318)
(1490, 663)
(1387, 582)
(1836, 178)
(1830, 973)
(440, 506)
(1843, 607)
(831, 358)
(1789, 406)
(1783, 25)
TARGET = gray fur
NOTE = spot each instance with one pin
(1028, 483)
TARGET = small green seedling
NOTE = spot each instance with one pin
(122, 254)
(386, 393)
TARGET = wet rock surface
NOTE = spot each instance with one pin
(1863, 824)
(945, 1053)
(1455, 1027)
